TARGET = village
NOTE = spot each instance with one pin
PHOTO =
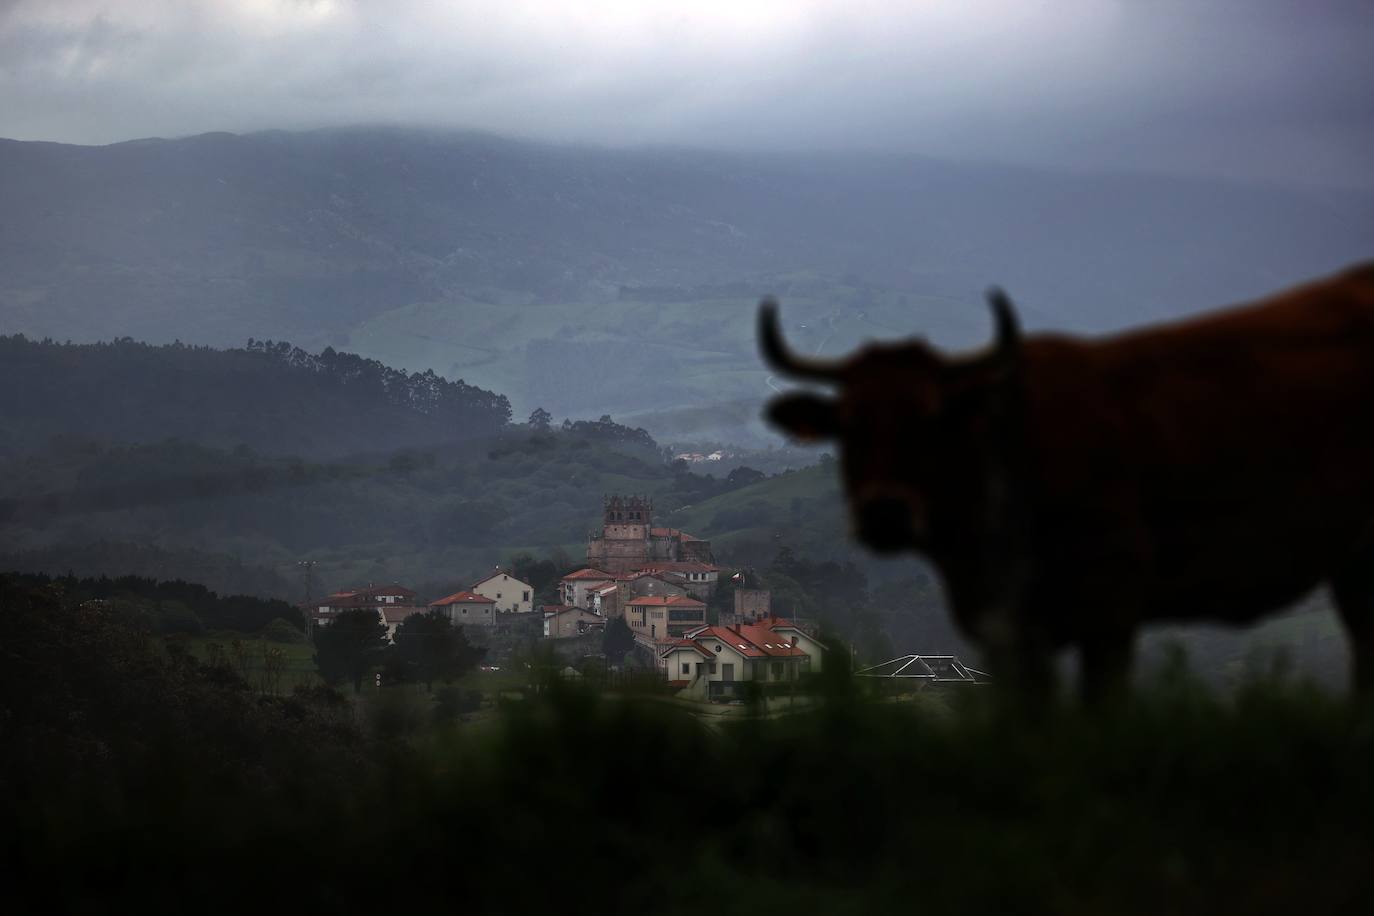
(664, 585)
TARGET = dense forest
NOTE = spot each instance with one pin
(270, 397)
(229, 467)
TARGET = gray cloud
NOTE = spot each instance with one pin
(1265, 89)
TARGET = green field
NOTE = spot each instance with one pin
(250, 663)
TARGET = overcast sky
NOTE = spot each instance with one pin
(1275, 90)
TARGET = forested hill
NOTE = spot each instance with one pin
(270, 397)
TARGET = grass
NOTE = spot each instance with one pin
(299, 669)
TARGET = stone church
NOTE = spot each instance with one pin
(629, 541)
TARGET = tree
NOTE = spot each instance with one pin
(429, 648)
(617, 640)
(348, 647)
(743, 476)
(542, 575)
(540, 420)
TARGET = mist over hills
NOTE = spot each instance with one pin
(590, 280)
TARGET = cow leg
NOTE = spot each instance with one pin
(1104, 661)
(1024, 669)
(1353, 590)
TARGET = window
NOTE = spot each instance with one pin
(686, 667)
(711, 668)
(525, 596)
(465, 612)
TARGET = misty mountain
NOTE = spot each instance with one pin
(591, 280)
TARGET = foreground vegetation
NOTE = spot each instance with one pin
(134, 778)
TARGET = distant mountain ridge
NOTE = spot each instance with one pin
(592, 280)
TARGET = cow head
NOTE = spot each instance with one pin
(925, 438)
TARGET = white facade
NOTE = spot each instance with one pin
(808, 644)
(579, 592)
(509, 593)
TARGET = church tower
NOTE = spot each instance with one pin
(626, 525)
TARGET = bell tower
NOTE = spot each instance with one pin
(624, 512)
(626, 525)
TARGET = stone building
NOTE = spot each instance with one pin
(752, 605)
(628, 539)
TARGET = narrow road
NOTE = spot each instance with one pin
(771, 382)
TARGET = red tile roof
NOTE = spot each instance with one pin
(672, 533)
(767, 640)
(364, 597)
(676, 566)
(666, 601)
(671, 644)
(677, 580)
(587, 573)
(462, 598)
(552, 611)
(749, 641)
(712, 635)
(782, 624)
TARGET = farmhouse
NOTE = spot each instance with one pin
(463, 608)
(374, 597)
(510, 594)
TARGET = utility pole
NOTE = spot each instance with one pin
(308, 567)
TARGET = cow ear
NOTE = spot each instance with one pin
(804, 416)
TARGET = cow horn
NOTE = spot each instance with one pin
(778, 355)
(1007, 344)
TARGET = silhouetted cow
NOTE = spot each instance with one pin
(1069, 490)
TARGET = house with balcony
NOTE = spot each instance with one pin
(576, 588)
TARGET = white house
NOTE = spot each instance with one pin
(802, 640)
(714, 660)
(510, 594)
(577, 587)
